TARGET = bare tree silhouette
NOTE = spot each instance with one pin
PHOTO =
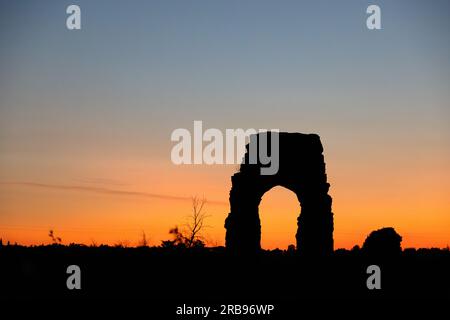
(190, 235)
(196, 223)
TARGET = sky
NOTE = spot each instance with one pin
(86, 115)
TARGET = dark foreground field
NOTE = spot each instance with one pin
(174, 277)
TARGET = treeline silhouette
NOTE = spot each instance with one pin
(177, 273)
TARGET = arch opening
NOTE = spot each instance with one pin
(278, 212)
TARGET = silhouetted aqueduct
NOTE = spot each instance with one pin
(301, 170)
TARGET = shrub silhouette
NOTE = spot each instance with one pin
(55, 240)
(143, 242)
(181, 241)
(383, 242)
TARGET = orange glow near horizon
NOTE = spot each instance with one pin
(418, 212)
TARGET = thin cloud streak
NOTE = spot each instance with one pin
(106, 191)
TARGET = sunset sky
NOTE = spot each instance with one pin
(86, 116)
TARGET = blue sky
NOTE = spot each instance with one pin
(231, 63)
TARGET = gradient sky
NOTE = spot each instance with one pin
(86, 116)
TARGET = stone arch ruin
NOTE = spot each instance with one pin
(301, 170)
